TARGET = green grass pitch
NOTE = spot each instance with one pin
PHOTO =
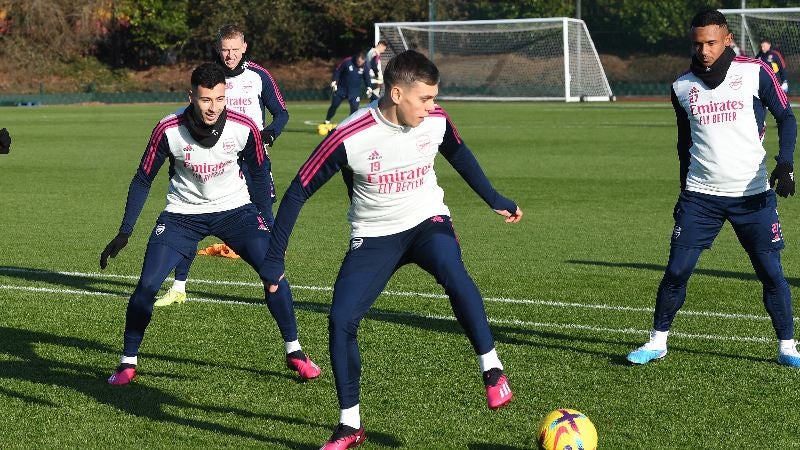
(569, 291)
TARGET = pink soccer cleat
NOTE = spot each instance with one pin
(345, 437)
(498, 392)
(124, 374)
(303, 365)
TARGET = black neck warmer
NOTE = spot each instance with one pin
(713, 76)
(205, 135)
(238, 70)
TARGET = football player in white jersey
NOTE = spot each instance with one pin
(386, 153)
(249, 89)
(207, 196)
(721, 105)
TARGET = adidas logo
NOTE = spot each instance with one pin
(374, 156)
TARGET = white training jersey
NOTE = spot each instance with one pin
(726, 126)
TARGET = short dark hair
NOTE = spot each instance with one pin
(228, 31)
(766, 40)
(408, 67)
(207, 75)
(709, 17)
(382, 42)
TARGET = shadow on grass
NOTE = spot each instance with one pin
(136, 399)
(660, 268)
(492, 446)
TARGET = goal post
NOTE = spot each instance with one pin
(514, 59)
(781, 26)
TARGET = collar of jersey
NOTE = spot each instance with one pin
(384, 121)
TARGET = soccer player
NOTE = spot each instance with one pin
(249, 89)
(207, 196)
(775, 61)
(386, 153)
(375, 68)
(346, 82)
(5, 141)
(720, 105)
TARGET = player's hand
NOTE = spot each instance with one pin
(273, 288)
(369, 92)
(783, 174)
(510, 218)
(267, 137)
(785, 86)
(118, 243)
(5, 141)
(333, 87)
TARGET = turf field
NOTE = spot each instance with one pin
(569, 291)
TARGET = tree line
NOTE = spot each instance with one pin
(140, 33)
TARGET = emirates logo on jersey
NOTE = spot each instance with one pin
(736, 82)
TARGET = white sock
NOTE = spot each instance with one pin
(179, 285)
(292, 346)
(787, 347)
(489, 361)
(350, 417)
(129, 360)
(327, 122)
(658, 339)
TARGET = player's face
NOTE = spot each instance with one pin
(765, 46)
(209, 102)
(232, 50)
(415, 102)
(709, 43)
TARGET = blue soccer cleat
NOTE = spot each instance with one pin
(791, 360)
(645, 354)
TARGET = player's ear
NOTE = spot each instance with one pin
(190, 94)
(728, 40)
(244, 47)
(396, 93)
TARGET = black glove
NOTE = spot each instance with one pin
(785, 178)
(118, 243)
(267, 137)
(5, 142)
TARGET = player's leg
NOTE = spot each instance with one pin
(758, 228)
(436, 250)
(366, 269)
(177, 292)
(698, 220)
(173, 237)
(354, 101)
(246, 233)
(335, 102)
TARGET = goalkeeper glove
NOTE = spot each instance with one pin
(118, 243)
(267, 137)
(333, 87)
(785, 179)
(5, 141)
(785, 86)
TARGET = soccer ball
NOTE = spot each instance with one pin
(324, 128)
(567, 429)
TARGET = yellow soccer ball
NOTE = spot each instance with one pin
(567, 429)
(322, 129)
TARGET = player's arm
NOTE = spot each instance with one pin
(154, 156)
(272, 100)
(324, 162)
(258, 166)
(778, 104)
(463, 160)
(684, 137)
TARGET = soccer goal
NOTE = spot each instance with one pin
(780, 25)
(522, 59)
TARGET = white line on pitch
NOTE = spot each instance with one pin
(516, 322)
(552, 303)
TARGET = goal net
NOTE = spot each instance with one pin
(781, 26)
(524, 59)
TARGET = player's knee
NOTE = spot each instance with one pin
(342, 324)
(677, 275)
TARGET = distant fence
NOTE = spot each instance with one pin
(620, 90)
